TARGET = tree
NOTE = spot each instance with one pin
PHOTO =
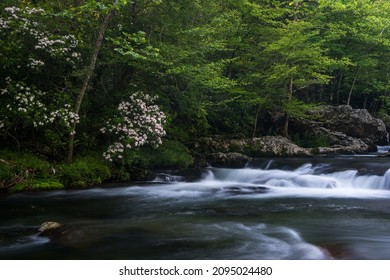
(29, 53)
(357, 32)
(89, 71)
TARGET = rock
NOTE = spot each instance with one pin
(240, 190)
(387, 154)
(275, 146)
(56, 231)
(357, 123)
(47, 228)
(340, 143)
(237, 152)
(348, 130)
(230, 160)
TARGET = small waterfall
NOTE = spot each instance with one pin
(209, 176)
(306, 176)
(383, 149)
(269, 163)
(167, 178)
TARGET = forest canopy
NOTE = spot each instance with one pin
(111, 76)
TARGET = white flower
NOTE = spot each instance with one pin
(141, 123)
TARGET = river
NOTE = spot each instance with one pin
(313, 208)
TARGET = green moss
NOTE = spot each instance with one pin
(37, 185)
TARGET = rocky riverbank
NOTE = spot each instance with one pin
(346, 131)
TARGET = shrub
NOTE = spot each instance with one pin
(32, 164)
(84, 172)
(19, 168)
(310, 140)
(171, 154)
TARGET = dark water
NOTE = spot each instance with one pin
(279, 209)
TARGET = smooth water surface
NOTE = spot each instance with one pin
(273, 209)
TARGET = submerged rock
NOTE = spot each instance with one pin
(58, 232)
(242, 190)
(50, 228)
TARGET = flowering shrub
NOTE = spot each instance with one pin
(22, 24)
(37, 60)
(30, 106)
(138, 121)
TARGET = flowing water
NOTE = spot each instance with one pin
(321, 208)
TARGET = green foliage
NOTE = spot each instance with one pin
(84, 172)
(22, 169)
(6, 175)
(25, 162)
(310, 140)
(299, 109)
(37, 185)
(171, 154)
(134, 47)
(137, 164)
(215, 66)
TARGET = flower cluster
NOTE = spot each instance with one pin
(35, 63)
(139, 121)
(21, 22)
(3, 24)
(31, 106)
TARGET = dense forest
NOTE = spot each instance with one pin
(93, 90)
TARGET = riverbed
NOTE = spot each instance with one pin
(297, 208)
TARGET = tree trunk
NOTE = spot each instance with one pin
(286, 116)
(256, 120)
(90, 70)
(339, 89)
(352, 87)
(134, 9)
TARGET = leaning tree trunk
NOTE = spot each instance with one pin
(90, 70)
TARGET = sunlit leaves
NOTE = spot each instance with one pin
(134, 46)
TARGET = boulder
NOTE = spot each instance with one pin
(276, 146)
(229, 160)
(57, 232)
(357, 123)
(50, 229)
(237, 152)
(340, 143)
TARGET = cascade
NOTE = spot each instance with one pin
(305, 176)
